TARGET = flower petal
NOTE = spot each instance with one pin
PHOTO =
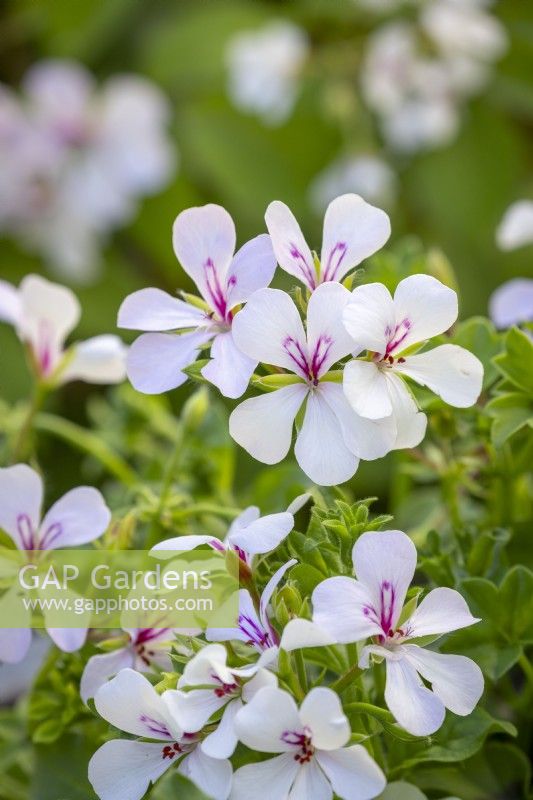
(450, 371)
(516, 228)
(191, 710)
(353, 231)
(262, 678)
(299, 633)
(155, 310)
(261, 723)
(429, 306)
(21, 496)
(385, 563)
(204, 242)
(80, 516)
(320, 448)
(366, 438)
(291, 249)
(264, 534)
(441, 611)
(185, 543)
(352, 772)
(10, 304)
(338, 608)
(123, 770)
(271, 587)
(272, 778)
(367, 390)
(14, 644)
(369, 315)
(410, 423)
(68, 639)
(101, 359)
(263, 425)
(321, 711)
(223, 741)
(211, 775)
(100, 668)
(415, 707)
(229, 369)
(261, 330)
(511, 303)
(456, 680)
(311, 783)
(252, 268)
(155, 360)
(327, 338)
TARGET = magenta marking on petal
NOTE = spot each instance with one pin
(309, 368)
(50, 535)
(397, 336)
(154, 726)
(215, 291)
(256, 635)
(322, 348)
(387, 600)
(333, 264)
(303, 741)
(28, 536)
(303, 266)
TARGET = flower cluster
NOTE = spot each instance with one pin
(340, 374)
(74, 159)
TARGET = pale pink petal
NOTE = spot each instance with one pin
(223, 741)
(101, 359)
(155, 360)
(155, 310)
(21, 496)
(229, 370)
(321, 711)
(68, 639)
(263, 534)
(80, 516)
(211, 775)
(415, 707)
(261, 723)
(14, 644)
(10, 304)
(352, 772)
(353, 231)
(456, 680)
(428, 306)
(367, 390)
(252, 268)
(339, 605)
(123, 770)
(452, 372)
(327, 338)
(311, 782)
(369, 317)
(100, 668)
(290, 247)
(441, 611)
(272, 778)
(263, 425)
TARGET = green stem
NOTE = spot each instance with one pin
(527, 669)
(23, 443)
(348, 678)
(172, 465)
(300, 670)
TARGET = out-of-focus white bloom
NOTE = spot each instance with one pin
(516, 228)
(512, 303)
(365, 175)
(264, 67)
(75, 159)
(417, 93)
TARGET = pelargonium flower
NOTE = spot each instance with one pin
(516, 227)
(249, 533)
(371, 607)
(43, 315)
(366, 175)
(204, 242)
(512, 303)
(353, 231)
(79, 517)
(231, 688)
(123, 769)
(314, 760)
(333, 437)
(388, 328)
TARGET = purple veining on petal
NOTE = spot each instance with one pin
(255, 634)
(306, 270)
(26, 532)
(396, 336)
(387, 600)
(307, 367)
(155, 726)
(50, 535)
(297, 353)
(333, 264)
(303, 741)
(215, 291)
(43, 351)
(320, 354)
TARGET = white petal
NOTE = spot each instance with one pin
(385, 563)
(415, 707)
(366, 438)
(261, 330)
(328, 340)
(441, 611)
(290, 247)
(299, 633)
(353, 231)
(208, 665)
(320, 448)
(101, 359)
(262, 678)
(516, 227)
(512, 303)
(204, 242)
(456, 680)
(223, 741)
(252, 268)
(366, 388)
(428, 305)
(14, 644)
(272, 778)
(68, 639)
(10, 304)
(21, 496)
(123, 770)
(185, 543)
(369, 315)
(410, 423)
(321, 711)
(261, 723)
(80, 516)
(191, 710)
(264, 534)
(263, 425)
(229, 369)
(130, 703)
(155, 360)
(211, 775)
(240, 632)
(338, 608)
(353, 773)
(311, 783)
(155, 310)
(452, 372)
(298, 503)
(100, 668)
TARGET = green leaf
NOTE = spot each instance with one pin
(510, 413)
(399, 790)
(516, 592)
(516, 363)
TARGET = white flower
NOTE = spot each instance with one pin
(332, 437)
(314, 761)
(79, 517)
(123, 769)
(371, 607)
(264, 68)
(204, 242)
(365, 175)
(231, 688)
(512, 303)
(388, 328)
(249, 534)
(43, 315)
(353, 231)
(516, 228)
